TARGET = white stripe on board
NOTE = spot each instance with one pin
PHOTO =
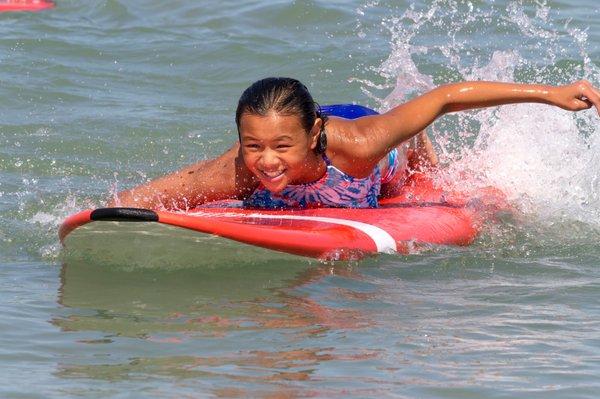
(382, 239)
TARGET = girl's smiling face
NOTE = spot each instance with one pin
(279, 151)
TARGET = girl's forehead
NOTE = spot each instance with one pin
(273, 122)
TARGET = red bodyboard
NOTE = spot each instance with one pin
(419, 214)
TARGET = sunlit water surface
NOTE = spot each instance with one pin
(101, 95)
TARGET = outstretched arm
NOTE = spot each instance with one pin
(224, 177)
(380, 133)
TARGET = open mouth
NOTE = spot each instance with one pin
(272, 176)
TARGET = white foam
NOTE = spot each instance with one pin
(544, 158)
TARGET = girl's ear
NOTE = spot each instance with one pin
(315, 133)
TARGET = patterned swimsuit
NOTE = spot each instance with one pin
(334, 189)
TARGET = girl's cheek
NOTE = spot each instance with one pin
(248, 160)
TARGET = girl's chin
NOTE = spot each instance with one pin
(275, 185)
(275, 189)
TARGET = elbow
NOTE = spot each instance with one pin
(122, 199)
(446, 99)
(449, 108)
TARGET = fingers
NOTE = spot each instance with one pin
(581, 104)
(589, 94)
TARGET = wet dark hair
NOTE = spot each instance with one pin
(285, 96)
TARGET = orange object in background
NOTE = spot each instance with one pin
(25, 5)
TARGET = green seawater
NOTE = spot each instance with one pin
(101, 95)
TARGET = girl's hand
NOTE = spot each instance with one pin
(577, 96)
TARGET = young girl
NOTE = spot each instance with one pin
(289, 154)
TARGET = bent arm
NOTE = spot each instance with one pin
(225, 177)
(381, 133)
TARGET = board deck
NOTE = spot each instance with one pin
(419, 214)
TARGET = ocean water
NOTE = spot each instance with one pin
(100, 95)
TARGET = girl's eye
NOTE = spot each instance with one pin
(252, 146)
(283, 146)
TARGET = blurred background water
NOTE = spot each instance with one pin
(97, 96)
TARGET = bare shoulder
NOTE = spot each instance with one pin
(350, 145)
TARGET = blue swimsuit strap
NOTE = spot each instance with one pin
(348, 111)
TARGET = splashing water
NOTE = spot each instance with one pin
(544, 158)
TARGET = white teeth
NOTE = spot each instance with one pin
(273, 174)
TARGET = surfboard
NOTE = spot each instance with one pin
(420, 213)
(25, 5)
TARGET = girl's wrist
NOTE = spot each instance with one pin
(547, 94)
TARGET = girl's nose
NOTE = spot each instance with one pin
(269, 159)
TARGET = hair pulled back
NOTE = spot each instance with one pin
(285, 96)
